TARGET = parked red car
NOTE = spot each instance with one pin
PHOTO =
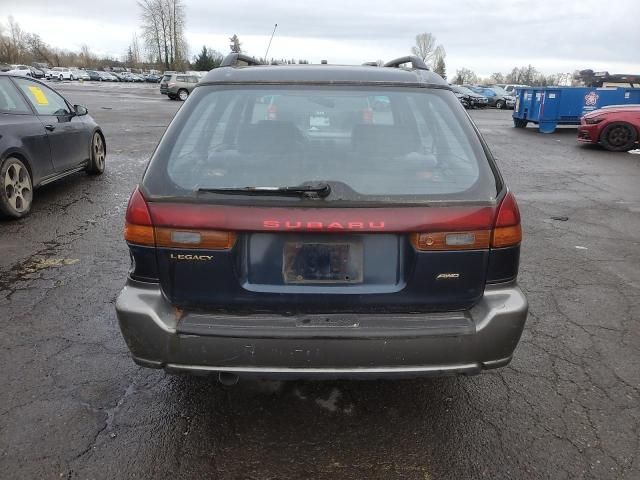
(616, 128)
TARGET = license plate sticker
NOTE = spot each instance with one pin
(322, 262)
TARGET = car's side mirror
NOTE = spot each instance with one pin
(80, 110)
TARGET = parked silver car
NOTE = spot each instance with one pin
(80, 74)
(178, 85)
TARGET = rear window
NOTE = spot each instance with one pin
(379, 144)
(166, 78)
(499, 90)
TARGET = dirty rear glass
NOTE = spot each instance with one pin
(369, 144)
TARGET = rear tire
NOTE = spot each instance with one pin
(98, 155)
(16, 188)
(619, 137)
(500, 104)
(183, 94)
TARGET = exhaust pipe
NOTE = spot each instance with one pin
(228, 379)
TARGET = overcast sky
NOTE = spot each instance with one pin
(483, 35)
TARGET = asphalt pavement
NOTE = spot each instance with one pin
(73, 405)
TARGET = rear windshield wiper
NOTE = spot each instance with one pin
(317, 190)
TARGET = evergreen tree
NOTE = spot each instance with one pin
(441, 68)
(207, 59)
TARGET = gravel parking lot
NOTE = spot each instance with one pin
(73, 405)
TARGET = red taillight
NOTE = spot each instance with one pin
(507, 231)
(199, 239)
(215, 227)
(138, 227)
(272, 112)
(477, 240)
(137, 210)
(367, 115)
(330, 220)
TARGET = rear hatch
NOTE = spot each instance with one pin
(164, 83)
(281, 199)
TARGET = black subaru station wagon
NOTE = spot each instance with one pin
(322, 221)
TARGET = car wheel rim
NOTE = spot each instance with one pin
(98, 151)
(619, 136)
(17, 186)
(183, 95)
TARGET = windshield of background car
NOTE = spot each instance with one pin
(463, 90)
(500, 91)
(378, 144)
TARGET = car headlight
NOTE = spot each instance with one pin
(593, 120)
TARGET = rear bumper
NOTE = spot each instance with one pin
(331, 346)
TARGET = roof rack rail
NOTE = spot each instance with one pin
(416, 62)
(239, 59)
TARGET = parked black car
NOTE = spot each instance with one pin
(43, 138)
(473, 99)
(93, 75)
(36, 72)
(495, 98)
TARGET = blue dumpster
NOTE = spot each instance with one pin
(549, 107)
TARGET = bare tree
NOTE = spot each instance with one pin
(163, 29)
(151, 29)
(497, 77)
(178, 24)
(87, 59)
(133, 57)
(12, 43)
(464, 75)
(427, 50)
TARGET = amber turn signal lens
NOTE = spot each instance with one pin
(203, 239)
(506, 236)
(139, 234)
(476, 240)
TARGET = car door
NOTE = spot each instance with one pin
(68, 134)
(20, 130)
